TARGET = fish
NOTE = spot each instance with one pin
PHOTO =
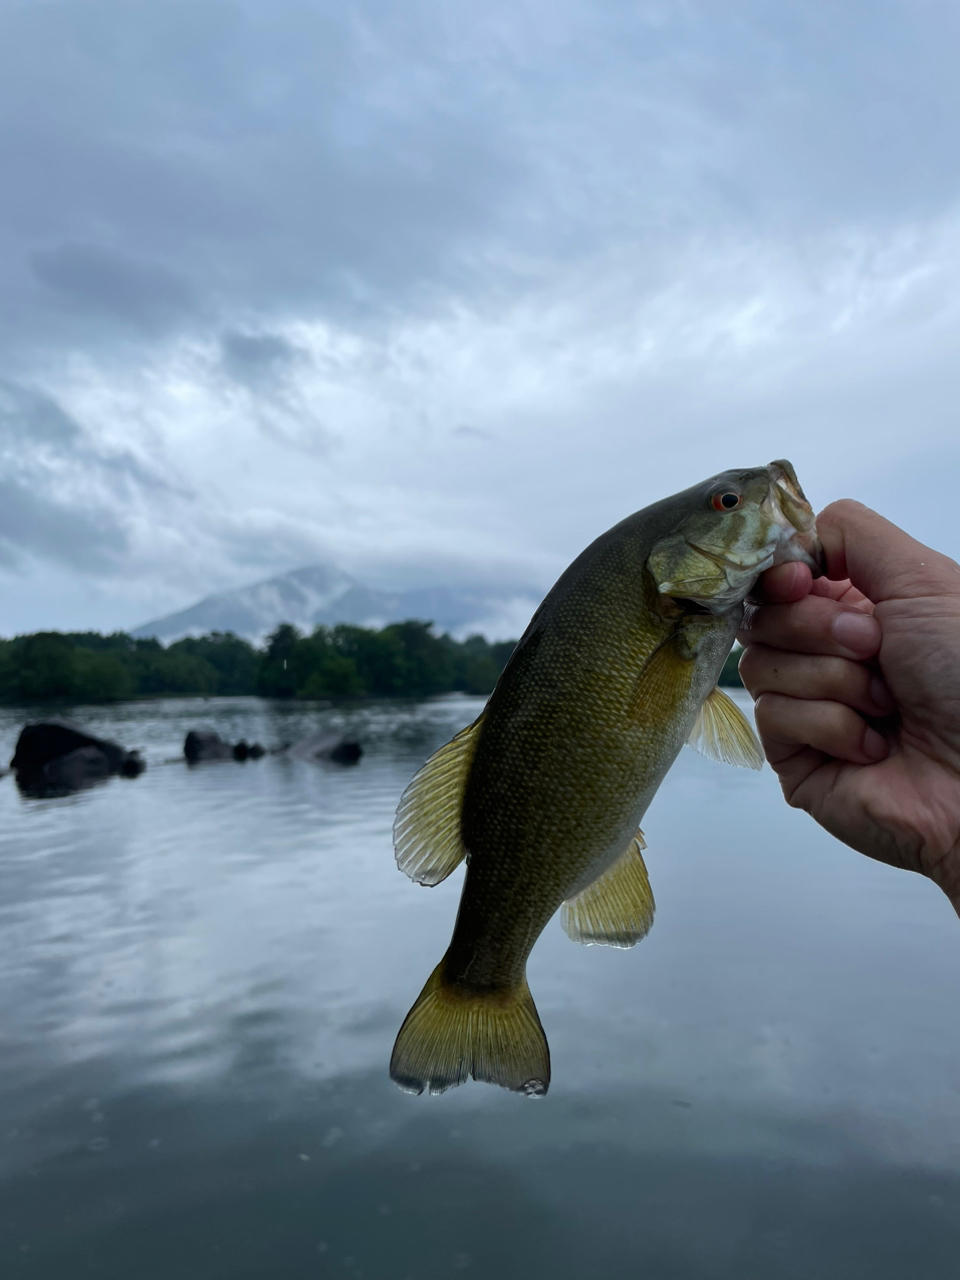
(542, 796)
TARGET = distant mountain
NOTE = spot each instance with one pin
(325, 594)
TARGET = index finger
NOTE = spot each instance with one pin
(814, 624)
(882, 560)
(788, 583)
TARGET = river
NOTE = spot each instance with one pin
(202, 971)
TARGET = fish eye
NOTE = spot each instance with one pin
(726, 500)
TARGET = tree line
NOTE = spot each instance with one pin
(404, 659)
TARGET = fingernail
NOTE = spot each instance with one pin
(857, 632)
(874, 744)
(881, 696)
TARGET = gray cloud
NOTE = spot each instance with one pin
(30, 418)
(258, 358)
(158, 159)
(156, 154)
(96, 280)
(467, 432)
(63, 497)
(58, 531)
(291, 279)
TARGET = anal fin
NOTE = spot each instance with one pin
(724, 733)
(617, 909)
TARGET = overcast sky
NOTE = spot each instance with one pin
(439, 291)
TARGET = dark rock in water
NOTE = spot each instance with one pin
(133, 765)
(346, 752)
(55, 757)
(204, 744)
(50, 739)
(76, 769)
(330, 746)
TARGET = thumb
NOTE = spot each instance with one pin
(879, 558)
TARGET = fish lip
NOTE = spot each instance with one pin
(813, 555)
(793, 515)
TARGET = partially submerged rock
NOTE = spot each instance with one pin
(55, 757)
(204, 744)
(331, 746)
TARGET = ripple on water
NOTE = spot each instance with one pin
(220, 957)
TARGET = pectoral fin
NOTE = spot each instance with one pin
(426, 833)
(663, 681)
(724, 733)
(617, 909)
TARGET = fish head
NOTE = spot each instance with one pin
(729, 530)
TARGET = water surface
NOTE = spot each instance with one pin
(202, 971)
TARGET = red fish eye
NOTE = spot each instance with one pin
(727, 501)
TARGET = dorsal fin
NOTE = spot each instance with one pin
(724, 733)
(617, 909)
(426, 831)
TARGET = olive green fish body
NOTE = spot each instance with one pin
(580, 732)
(544, 794)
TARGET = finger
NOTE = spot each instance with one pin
(798, 769)
(786, 725)
(784, 583)
(815, 624)
(843, 591)
(816, 678)
(879, 558)
(787, 583)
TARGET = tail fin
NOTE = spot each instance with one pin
(453, 1032)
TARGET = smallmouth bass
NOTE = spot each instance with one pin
(544, 793)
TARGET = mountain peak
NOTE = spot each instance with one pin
(325, 594)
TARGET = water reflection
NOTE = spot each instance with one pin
(280, 1177)
(201, 975)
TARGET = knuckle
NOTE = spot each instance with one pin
(843, 508)
(749, 665)
(764, 669)
(791, 793)
(766, 712)
(831, 675)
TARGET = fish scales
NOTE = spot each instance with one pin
(618, 666)
(531, 844)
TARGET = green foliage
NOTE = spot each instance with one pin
(42, 667)
(425, 663)
(102, 676)
(477, 663)
(404, 659)
(234, 661)
(282, 669)
(88, 667)
(377, 657)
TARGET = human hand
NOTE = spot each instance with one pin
(856, 678)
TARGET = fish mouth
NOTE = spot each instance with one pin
(793, 518)
(792, 530)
